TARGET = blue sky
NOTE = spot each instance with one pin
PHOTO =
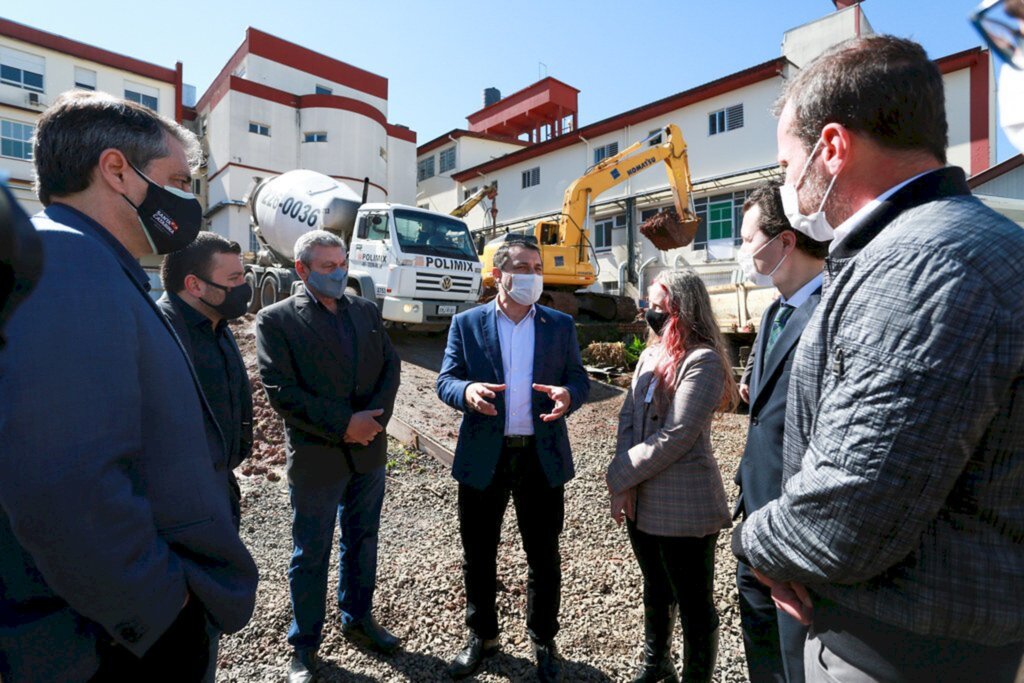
(439, 56)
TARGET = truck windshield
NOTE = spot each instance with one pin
(420, 233)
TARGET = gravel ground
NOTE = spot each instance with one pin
(419, 593)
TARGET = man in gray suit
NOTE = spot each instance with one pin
(772, 253)
(899, 530)
(116, 537)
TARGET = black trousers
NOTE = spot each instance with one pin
(773, 641)
(679, 570)
(540, 512)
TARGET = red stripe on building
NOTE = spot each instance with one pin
(74, 48)
(402, 133)
(270, 172)
(304, 59)
(265, 92)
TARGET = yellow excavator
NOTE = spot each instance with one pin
(565, 243)
(489, 192)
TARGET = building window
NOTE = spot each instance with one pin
(425, 168)
(609, 150)
(22, 69)
(197, 186)
(447, 159)
(314, 137)
(85, 79)
(323, 90)
(720, 217)
(259, 128)
(722, 120)
(603, 231)
(16, 140)
(531, 177)
(143, 94)
(655, 137)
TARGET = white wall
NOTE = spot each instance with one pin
(958, 115)
(261, 70)
(401, 171)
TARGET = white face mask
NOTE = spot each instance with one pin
(815, 226)
(750, 271)
(525, 288)
(1011, 104)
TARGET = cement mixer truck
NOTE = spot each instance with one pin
(420, 267)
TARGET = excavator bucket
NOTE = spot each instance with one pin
(666, 230)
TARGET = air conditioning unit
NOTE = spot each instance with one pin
(34, 100)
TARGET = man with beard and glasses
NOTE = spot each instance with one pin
(899, 534)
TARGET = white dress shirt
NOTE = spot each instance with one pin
(517, 342)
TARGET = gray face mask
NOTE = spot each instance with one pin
(331, 285)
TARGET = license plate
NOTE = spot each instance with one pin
(447, 310)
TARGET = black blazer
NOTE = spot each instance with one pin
(303, 368)
(759, 475)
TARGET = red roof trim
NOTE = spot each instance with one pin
(999, 169)
(533, 86)
(959, 60)
(721, 86)
(301, 58)
(51, 41)
(442, 140)
(402, 133)
(220, 84)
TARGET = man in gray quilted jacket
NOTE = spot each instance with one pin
(899, 535)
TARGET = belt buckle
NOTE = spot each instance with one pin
(517, 441)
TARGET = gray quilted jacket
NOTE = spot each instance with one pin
(904, 449)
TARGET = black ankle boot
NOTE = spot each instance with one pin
(658, 665)
(699, 656)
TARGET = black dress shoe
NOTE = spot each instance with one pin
(468, 661)
(370, 635)
(549, 663)
(302, 666)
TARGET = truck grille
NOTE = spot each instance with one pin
(437, 283)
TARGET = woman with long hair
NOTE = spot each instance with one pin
(664, 479)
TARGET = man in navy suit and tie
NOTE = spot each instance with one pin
(513, 367)
(772, 254)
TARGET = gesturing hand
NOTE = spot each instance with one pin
(362, 428)
(477, 394)
(561, 397)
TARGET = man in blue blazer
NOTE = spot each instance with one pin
(116, 536)
(776, 254)
(513, 367)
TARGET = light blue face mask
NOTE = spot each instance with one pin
(331, 284)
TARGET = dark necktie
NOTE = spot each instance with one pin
(779, 324)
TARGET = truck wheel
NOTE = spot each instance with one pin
(352, 290)
(254, 300)
(268, 291)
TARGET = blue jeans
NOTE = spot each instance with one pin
(356, 500)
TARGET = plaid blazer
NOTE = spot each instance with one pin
(666, 454)
(904, 443)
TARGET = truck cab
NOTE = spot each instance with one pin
(420, 266)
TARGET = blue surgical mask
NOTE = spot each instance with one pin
(331, 284)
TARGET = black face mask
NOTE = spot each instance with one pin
(656, 320)
(170, 217)
(236, 299)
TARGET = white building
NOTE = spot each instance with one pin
(36, 67)
(730, 132)
(277, 106)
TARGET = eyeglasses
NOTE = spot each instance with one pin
(999, 23)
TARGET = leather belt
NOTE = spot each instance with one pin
(515, 441)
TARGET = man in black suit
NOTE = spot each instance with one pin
(331, 373)
(772, 253)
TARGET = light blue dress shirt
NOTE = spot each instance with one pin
(517, 343)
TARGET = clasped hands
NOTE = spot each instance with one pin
(790, 597)
(363, 428)
(479, 394)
